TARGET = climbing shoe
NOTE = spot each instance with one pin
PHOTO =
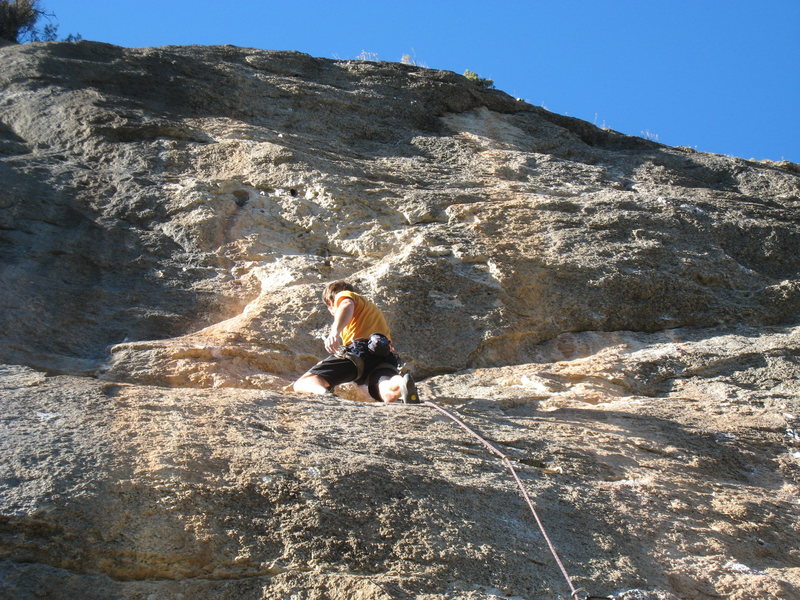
(408, 390)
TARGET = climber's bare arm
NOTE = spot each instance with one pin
(342, 315)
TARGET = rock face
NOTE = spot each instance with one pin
(620, 316)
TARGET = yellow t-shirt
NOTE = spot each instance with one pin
(367, 318)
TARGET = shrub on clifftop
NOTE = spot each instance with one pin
(18, 20)
(481, 81)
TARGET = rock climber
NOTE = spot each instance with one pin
(360, 350)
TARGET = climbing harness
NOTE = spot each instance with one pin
(370, 354)
(507, 461)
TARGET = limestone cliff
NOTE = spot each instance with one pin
(620, 315)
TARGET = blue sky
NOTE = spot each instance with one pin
(717, 75)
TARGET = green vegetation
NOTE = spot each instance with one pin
(19, 22)
(472, 76)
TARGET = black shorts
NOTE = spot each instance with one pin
(337, 370)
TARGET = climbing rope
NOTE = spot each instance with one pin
(507, 461)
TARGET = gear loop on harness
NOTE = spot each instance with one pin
(357, 361)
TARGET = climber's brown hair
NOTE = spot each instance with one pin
(333, 288)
